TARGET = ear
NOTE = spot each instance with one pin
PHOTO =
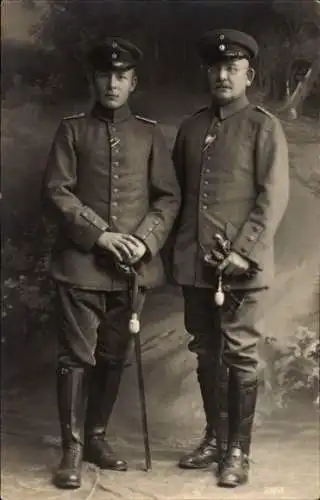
(134, 82)
(250, 76)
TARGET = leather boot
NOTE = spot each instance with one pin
(206, 452)
(203, 455)
(102, 393)
(235, 467)
(224, 395)
(70, 382)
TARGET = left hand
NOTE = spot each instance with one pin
(234, 264)
(138, 249)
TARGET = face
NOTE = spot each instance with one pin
(112, 88)
(228, 80)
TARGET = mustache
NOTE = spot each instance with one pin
(221, 85)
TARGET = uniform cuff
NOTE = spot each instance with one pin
(145, 233)
(93, 231)
(94, 219)
(249, 237)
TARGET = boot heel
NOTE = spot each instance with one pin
(97, 451)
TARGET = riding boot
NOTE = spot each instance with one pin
(103, 389)
(223, 395)
(70, 385)
(206, 452)
(235, 467)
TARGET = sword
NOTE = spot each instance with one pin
(137, 299)
(137, 348)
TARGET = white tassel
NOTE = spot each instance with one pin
(219, 295)
(219, 298)
(134, 324)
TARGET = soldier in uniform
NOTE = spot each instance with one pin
(232, 164)
(112, 188)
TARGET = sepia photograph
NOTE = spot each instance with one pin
(160, 249)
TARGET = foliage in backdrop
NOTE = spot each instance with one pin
(51, 72)
(288, 32)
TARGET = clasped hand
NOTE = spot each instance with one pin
(234, 264)
(125, 247)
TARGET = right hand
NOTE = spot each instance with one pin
(121, 245)
(234, 264)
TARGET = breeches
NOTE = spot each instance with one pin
(92, 324)
(231, 331)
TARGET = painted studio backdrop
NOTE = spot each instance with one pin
(43, 80)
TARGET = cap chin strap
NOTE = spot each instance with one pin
(114, 67)
(236, 54)
(122, 65)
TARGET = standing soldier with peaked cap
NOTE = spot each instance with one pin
(232, 164)
(112, 189)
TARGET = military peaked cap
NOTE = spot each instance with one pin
(114, 54)
(223, 44)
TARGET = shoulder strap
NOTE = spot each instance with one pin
(144, 119)
(264, 111)
(76, 115)
(200, 110)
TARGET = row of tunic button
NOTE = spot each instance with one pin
(206, 183)
(116, 176)
(207, 157)
(114, 143)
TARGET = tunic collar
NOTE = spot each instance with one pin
(111, 115)
(230, 109)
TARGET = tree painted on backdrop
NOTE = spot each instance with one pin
(167, 39)
(66, 30)
(302, 23)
